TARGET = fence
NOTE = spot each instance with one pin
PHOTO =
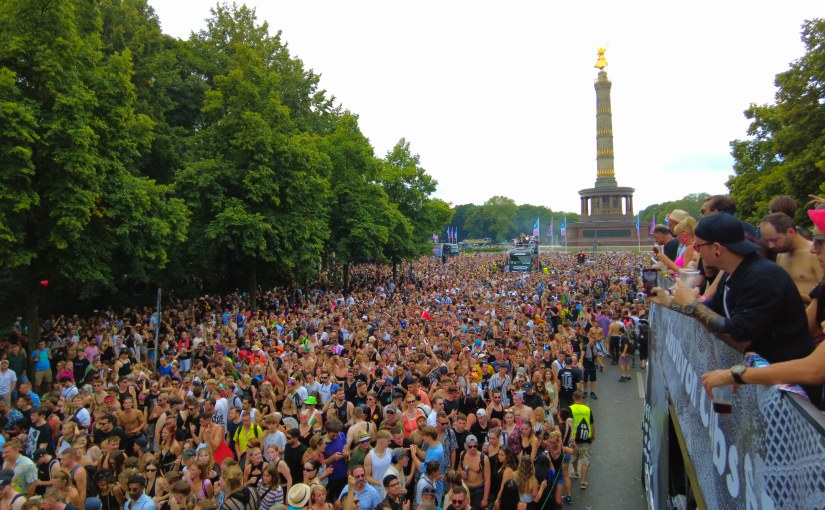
(769, 453)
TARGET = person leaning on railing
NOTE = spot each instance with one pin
(757, 306)
(809, 370)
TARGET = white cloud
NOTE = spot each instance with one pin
(497, 98)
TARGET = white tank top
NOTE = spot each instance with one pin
(380, 464)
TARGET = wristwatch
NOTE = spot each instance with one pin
(736, 371)
(691, 308)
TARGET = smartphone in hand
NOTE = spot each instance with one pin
(649, 279)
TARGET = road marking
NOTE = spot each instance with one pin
(640, 384)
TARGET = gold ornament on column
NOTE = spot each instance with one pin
(601, 62)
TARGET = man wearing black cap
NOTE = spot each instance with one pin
(756, 306)
(47, 468)
(530, 397)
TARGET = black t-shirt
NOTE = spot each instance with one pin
(569, 378)
(99, 435)
(818, 293)
(460, 438)
(671, 249)
(39, 434)
(294, 459)
(480, 433)
(533, 401)
(761, 304)
(449, 405)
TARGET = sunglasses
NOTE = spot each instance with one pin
(473, 446)
(308, 469)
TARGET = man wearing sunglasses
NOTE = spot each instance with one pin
(756, 301)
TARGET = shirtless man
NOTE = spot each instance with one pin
(793, 252)
(132, 421)
(615, 334)
(596, 334)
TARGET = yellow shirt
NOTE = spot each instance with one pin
(242, 436)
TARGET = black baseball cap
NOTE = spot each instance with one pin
(726, 230)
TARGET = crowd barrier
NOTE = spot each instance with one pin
(768, 454)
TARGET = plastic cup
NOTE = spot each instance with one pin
(723, 399)
(689, 277)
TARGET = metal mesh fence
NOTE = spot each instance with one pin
(769, 453)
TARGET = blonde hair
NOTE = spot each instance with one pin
(688, 225)
(317, 487)
(383, 434)
(233, 477)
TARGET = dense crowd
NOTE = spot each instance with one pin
(456, 385)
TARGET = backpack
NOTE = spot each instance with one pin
(644, 332)
(91, 485)
(582, 431)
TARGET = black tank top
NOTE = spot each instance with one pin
(109, 502)
(497, 414)
(341, 412)
(125, 369)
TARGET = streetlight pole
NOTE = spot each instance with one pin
(157, 333)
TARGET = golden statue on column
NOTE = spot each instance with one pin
(601, 62)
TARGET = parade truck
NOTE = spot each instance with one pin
(446, 249)
(524, 256)
(764, 451)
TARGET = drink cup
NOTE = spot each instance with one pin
(689, 277)
(723, 399)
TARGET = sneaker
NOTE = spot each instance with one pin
(622, 379)
(584, 395)
(593, 396)
(601, 368)
(567, 499)
(574, 475)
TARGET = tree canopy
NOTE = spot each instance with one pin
(784, 152)
(129, 158)
(500, 219)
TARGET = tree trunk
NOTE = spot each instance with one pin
(346, 276)
(253, 285)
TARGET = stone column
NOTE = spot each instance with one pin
(630, 205)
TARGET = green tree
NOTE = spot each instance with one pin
(496, 217)
(784, 153)
(258, 186)
(362, 215)
(409, 186)
(71, 209)
(691, 204)
(165, 88)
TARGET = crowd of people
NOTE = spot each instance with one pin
(456, 386)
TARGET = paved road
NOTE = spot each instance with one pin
(614, 482)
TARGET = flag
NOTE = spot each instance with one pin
(448, 234)
(550, 230)
(563, 228)
(667, 220)
(653, 224)
(536, 227)
(638, 216)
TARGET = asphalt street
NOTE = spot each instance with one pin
(615, 475)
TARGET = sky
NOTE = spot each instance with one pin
(497, 98)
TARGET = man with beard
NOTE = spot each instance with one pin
(793, 252)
